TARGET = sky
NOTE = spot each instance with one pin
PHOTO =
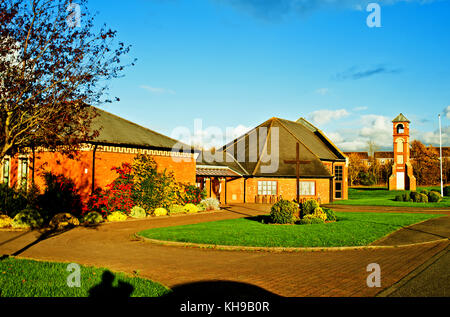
(229, 65)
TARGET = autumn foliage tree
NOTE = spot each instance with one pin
(425, 163)
(356, 166)
(53, 65)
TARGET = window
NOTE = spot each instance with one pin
(307, 188)
(5, 171)
(400, 146)
(23, 172)
(399, 159)
(267, 188)
(400, 129)
(338, 172)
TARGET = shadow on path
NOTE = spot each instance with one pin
(220, 290)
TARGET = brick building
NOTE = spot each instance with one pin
(261, 166)
(119, 141)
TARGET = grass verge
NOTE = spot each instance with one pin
(29, 278)
(352, 229)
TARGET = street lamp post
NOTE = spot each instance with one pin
(440, 154)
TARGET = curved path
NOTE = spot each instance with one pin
(328, 273)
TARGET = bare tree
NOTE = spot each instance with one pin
(372, 147)
(53, 66)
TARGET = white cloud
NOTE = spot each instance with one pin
(360, 108)
(321, 117)
(322, 91)
(447, 112)
(156, 90)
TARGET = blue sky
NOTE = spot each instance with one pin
(236, 63)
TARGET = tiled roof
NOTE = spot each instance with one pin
(218, 171)
(383, 155)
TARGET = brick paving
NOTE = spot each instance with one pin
(326, 273)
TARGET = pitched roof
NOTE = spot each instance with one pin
(115, 130)
(251, 153)
(361, 155)
(384, 155)
(400, 118)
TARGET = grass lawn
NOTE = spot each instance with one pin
(27, 278)
(352, 229)
(376, 196)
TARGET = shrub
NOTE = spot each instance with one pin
(5, 221)
(331, 216)
(447, 191)
(27, 219)
(283, 211)
(414, 196)
(406, 196)
(209, 204)
(422, 198)
(434, 197)
(319, 213)
(423, 191)
(60, 194)
(64, 221)
(190, 208)
(176, 209)
(11, 200)
(160, 212)
(310, 220)
(191, 194)
(152, 188)
(92, 218)
(308, 206)
(138, 212)
(117, 216)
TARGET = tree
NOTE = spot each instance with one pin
(356, 166)
(425, 163)
(53, 66)
(372, 147)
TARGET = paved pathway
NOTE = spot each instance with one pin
(330, 273)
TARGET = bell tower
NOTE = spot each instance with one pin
(402, 177)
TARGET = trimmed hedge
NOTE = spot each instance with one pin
(27, 219)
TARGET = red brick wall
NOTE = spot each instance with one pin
(79, 169)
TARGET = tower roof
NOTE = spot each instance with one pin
(401, 118)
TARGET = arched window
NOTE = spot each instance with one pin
(400, 128)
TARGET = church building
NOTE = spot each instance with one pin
(277, 159)
(119, 141)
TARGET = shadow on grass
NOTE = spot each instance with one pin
(106, 289)
(370, 188)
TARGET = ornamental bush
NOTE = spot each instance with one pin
(11, 201)
(331, 216)
(282, 212)
(138, 212)
(319, 213)
(63, 221)
(27, 219)
(176, 209)
(422, 198)
(209, 204)
(5, 221)
(117, 216)
(191, 194)
(60, 194)
(191, 208)
(434, 197)
(310, 220)
(92, 218)
(308, 206)
(160, 212)
(447, 191)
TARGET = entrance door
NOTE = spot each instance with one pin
(400, 180)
